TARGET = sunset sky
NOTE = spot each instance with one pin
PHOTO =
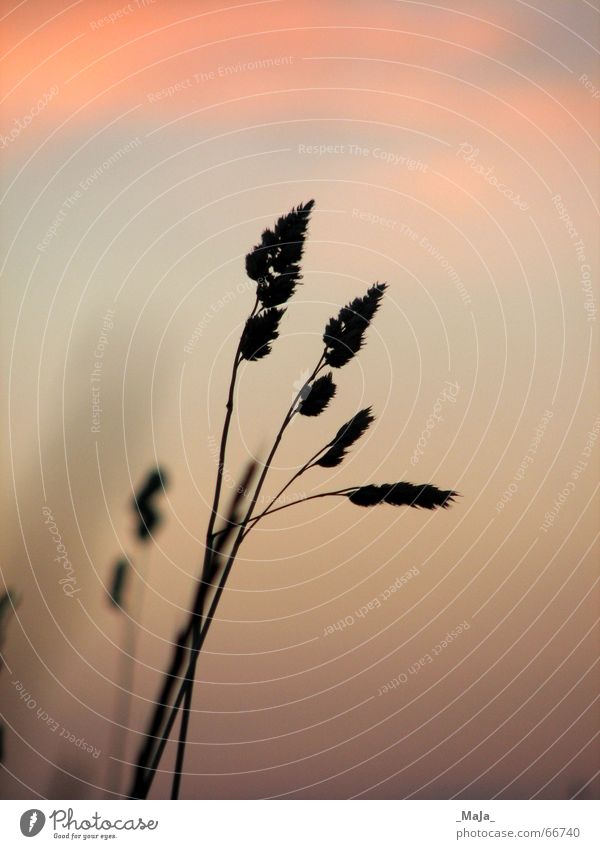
(451, 150)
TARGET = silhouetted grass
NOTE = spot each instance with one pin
(274, 264)
(318, 395)
(147, 518)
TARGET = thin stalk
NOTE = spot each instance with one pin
(125, 679)
(206, 568)
(308, 465)
(197, 624)
(269, 512)
(152, 768)
(157, 720)
(126, 675)
(288, 417)
(199, 632)
(199, 639)
(222, 450)
(185, 718)
(179, 652)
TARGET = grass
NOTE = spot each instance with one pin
(274, 264)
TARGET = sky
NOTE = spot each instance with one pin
(451, 150)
